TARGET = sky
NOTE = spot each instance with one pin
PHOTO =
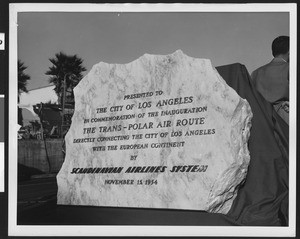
(121, 37)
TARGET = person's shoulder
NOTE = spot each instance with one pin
(254, 73)
(264, 66)
(259, 69)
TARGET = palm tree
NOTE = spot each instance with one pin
(65, 67)
(22, 77)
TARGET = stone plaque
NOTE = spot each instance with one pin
(164, 131)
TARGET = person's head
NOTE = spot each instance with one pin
(281, 47)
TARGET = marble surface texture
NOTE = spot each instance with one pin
(164, 131)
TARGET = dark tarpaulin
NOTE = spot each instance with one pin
(261, 201)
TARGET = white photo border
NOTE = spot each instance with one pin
(2, 152)
(17, 230)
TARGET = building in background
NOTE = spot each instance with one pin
(40, 114)
(40, 95)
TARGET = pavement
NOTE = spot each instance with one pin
(40, 189)
(46, 175)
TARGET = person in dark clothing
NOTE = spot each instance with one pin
(272, 79)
